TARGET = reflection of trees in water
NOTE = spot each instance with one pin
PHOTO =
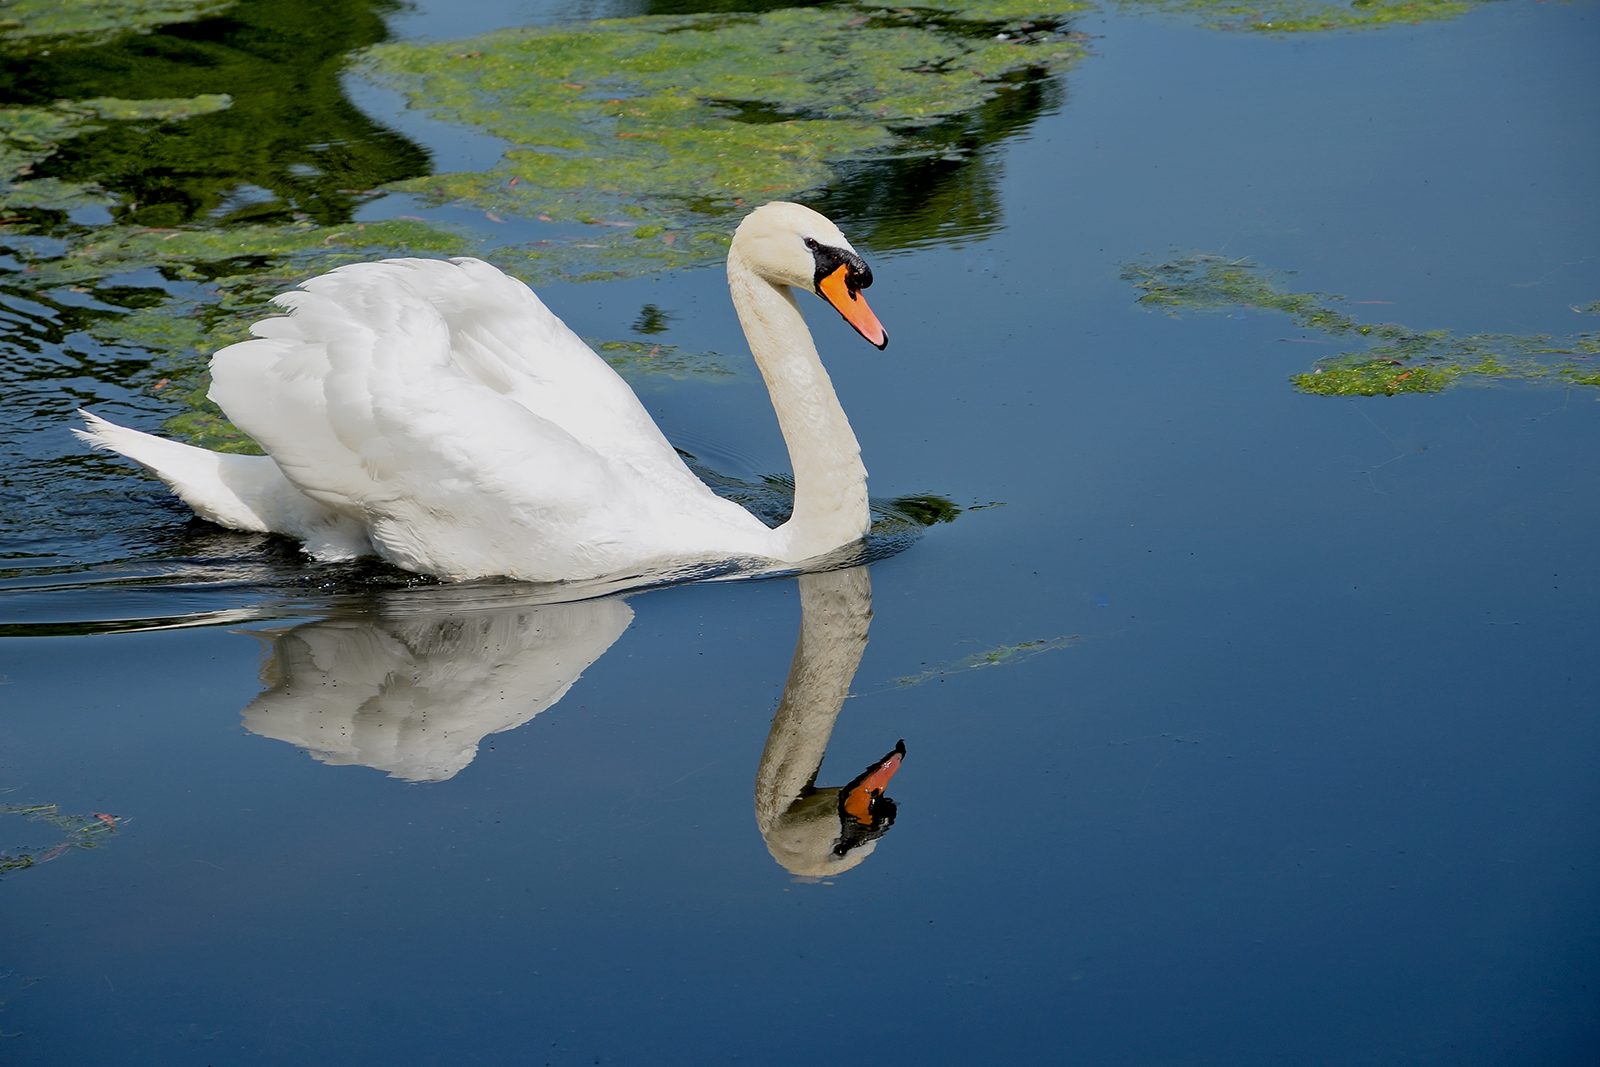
(291, 143)
(948, 189)
(951, 191)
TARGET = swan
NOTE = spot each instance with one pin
(437, 414)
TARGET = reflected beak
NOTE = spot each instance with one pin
(870, 786)
(847, 301)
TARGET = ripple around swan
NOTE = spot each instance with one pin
(217, 577)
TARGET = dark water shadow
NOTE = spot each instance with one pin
(291, 144)
(945, 186)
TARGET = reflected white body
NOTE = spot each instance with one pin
(413, 687)
(436, 413)
(414, 695)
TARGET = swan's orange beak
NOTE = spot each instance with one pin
(858, 802)
(847, 301)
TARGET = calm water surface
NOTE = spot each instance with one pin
(1255, 727)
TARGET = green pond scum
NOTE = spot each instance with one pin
(62, 832)
(639, 359)
(42, 23)
(659, 132)
(1306, 16)
(998, 656)
(1393, 358)
(169, 165)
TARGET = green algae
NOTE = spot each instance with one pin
(1306, 16)
(656, 133)
(928, 509)
(82, 22)
(999, 656)
(273, 253)
(641, 140)
(1397, 359)
(635, 360)
(66, 832)
(237, 177)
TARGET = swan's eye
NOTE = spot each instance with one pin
(811, 243)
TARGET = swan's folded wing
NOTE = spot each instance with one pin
(359, 398)
(502, 336)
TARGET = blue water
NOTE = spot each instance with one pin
(1311, 780)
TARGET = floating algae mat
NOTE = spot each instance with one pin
(237, 175)
(58, 22)
(661, 131)
(170, 165)
(994, 657)
(1396, 360)
(55, 834)
(1305, 16)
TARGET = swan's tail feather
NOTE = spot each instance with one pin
(193, 474)
(245, 493)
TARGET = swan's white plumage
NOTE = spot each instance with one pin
(401, 394)
(439, 413)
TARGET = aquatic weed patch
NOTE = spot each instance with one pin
(1398, 359)
(639, 359)
(61, 833)
(236, 178)
(78, 22)
(658, 132)
(999, 656)
(1306, 16)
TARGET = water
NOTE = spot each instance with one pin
(1298, 770)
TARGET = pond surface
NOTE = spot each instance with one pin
(1241, 724)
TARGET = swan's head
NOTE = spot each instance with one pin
(788, 244)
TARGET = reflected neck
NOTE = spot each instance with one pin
(835, 611)
(830, 482)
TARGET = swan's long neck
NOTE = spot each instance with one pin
(830, 482)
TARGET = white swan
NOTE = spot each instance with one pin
(437, 414)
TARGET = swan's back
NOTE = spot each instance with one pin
(441, 404)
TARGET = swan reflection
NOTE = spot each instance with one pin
(820, 831)
(412, 685)
(412, 692)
